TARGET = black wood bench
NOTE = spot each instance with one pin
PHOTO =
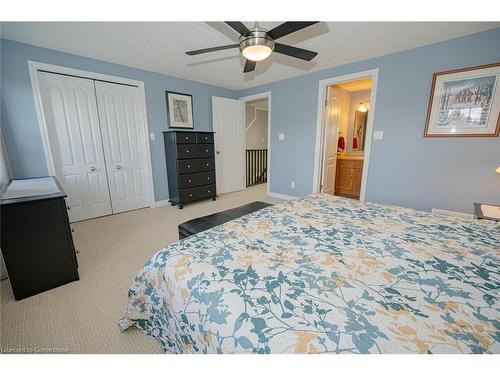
(206, 222)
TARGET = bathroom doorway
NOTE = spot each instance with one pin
(346, 122)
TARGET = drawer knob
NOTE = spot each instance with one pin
(92, 169)
(190, 195)
(208, 178)
(68, 207)
(187, 151)
(208, 164)
(206, 150)
(187, 137)
(206, 138)
(208, 191)
(189, 166)
(189, 180)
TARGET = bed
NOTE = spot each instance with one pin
(323, 274)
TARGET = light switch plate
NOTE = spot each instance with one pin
(378, 134)
(281, 136)
(151, 136)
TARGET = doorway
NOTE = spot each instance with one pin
(256, 113)
(345, 123)
(257, 140)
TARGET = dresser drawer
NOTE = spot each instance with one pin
(185, 137)
(196, 179)
(199, 192)
(195, 165)
(205, 137)
(189, 151)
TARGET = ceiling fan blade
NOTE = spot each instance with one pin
(299, 53)
(249, 66)
(211, 49)
(239, 27)
(288, 28)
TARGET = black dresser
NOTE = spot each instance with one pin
(36, 240)
(190, 166)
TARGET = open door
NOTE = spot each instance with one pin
(332, 120)
(229, 128)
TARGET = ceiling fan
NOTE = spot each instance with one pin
(257, 44)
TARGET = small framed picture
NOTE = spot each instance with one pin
(180, 110)
(465, 103)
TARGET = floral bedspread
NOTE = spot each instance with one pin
(324, 274)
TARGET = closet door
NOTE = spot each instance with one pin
(70, 110)
(124, 140)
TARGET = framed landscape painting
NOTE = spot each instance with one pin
(465, 103)
(180, 110)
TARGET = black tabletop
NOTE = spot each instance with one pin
(29, 198)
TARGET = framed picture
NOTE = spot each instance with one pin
(465, 103)
(180, 110)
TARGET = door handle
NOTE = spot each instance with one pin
(92, 169)
(118, 167)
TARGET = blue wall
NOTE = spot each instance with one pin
(20, 125)
(405, 168)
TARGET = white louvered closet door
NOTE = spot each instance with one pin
(72, 122)
(124, 141)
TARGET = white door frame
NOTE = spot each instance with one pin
(320, 124)
(262, 95)
(35, 66)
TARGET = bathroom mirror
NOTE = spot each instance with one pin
(358, 137)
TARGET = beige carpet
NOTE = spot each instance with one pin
(81, 317)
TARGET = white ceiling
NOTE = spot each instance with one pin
(160, 46)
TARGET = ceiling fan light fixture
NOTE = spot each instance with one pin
(257, 53)
(258, 47)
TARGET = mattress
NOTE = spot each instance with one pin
(324, 274)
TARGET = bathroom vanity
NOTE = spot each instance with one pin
(348, 175)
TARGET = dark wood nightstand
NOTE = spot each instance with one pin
(487, 211)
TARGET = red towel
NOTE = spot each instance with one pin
(355, 143)
(341, 144)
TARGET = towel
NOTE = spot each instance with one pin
(355, 143)
(341, 144)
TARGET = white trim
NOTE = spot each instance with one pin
(280, 196)
(265, 94)
(323, 84)
(35, 66)
(164, 202)
(439, 211)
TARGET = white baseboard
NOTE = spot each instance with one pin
(450, 213)
(164, 202)
(281, 196)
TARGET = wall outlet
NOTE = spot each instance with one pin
(292, 184)
(151, 136)
(378, 134)
(281, 136)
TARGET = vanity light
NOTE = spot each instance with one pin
(362, 108)
(497, 170)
